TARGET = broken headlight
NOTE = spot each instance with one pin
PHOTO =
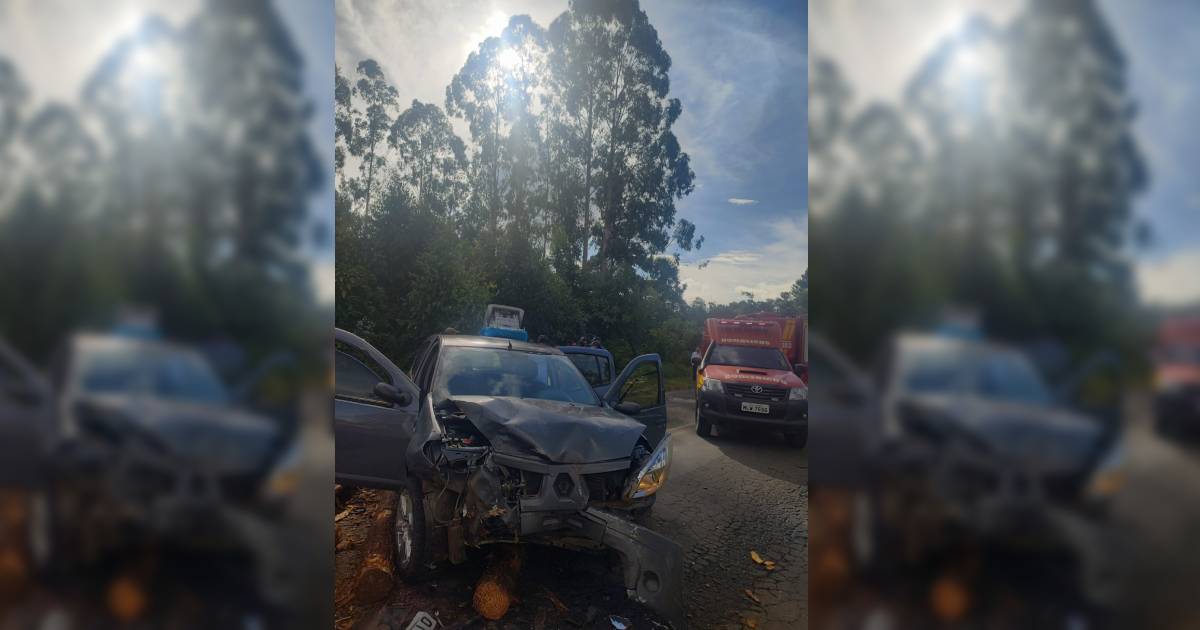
(653, 474)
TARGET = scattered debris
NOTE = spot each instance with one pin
(558, 603)
(750, 622)
(755, 557)
(589, 616)
(423, 621)
(126, 599)
(770, 565)
(341, 515)
(619, 622)
(753, 597)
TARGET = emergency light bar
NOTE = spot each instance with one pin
(504, 322)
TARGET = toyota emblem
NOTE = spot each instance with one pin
(757, 389)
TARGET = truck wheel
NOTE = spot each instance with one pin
(703, 427)
(412, 542)
(796, 440)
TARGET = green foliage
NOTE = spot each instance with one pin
(570, 157)
(179, 186)
(1002, 183)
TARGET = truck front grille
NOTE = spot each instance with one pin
(746, 391)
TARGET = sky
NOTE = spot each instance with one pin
(1161, 49)
(739, 69)
(57, 43)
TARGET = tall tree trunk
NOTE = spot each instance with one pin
(370, 174)
(587, 178)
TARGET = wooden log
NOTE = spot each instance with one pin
(496, 587)
(376, 574)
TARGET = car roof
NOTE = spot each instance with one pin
(601, 352)
(478, 341)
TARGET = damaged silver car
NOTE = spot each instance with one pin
(496, 440)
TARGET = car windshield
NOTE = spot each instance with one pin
(744, 356)
(163, 373)
(1010, 377)
(932, 370)
(466, 371)
(997, 374)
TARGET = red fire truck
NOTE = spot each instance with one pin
(744, 377)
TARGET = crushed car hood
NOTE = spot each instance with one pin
(559, 432)
(1045, 437)
(221, 438)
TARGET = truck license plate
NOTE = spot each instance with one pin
(756, 407)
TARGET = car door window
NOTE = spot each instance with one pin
(642, 386)
(356, 380)
(590, 368)
(605, 367)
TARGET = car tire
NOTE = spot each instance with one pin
(703, 427)
(796, 440)
(410, 537)
(42, 533)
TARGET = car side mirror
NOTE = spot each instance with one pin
(695, 359)
(388, 392)
(628, 408)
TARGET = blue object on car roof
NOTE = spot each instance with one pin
(505, 333)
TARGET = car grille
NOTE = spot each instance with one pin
(606, 486)
(743, 390)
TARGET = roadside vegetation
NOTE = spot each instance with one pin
(560, 198)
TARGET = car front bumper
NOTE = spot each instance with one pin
(719, 408)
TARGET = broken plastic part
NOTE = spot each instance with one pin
(653, 564)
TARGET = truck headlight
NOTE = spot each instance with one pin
(1109, 475)
(653, 474)
(711, 385)
(798, 393)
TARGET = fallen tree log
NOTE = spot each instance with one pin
(376, 574)
(496, 587)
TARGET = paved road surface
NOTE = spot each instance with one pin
(729, 495)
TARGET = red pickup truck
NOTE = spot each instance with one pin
(743, 377)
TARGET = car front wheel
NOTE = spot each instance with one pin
(411, 539)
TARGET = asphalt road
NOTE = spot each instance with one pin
(725, 496)
(729, 495)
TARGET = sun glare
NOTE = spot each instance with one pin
(508, 58)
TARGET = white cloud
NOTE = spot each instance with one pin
(323, 281)
(738, 201)
(1171, 281)
(765, 271)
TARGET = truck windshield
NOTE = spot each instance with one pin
(468, 371)
(745, 356)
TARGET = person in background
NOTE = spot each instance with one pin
(596, 343)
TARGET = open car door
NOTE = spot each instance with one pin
(641, 383)
(25, 420)
(374, 415)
